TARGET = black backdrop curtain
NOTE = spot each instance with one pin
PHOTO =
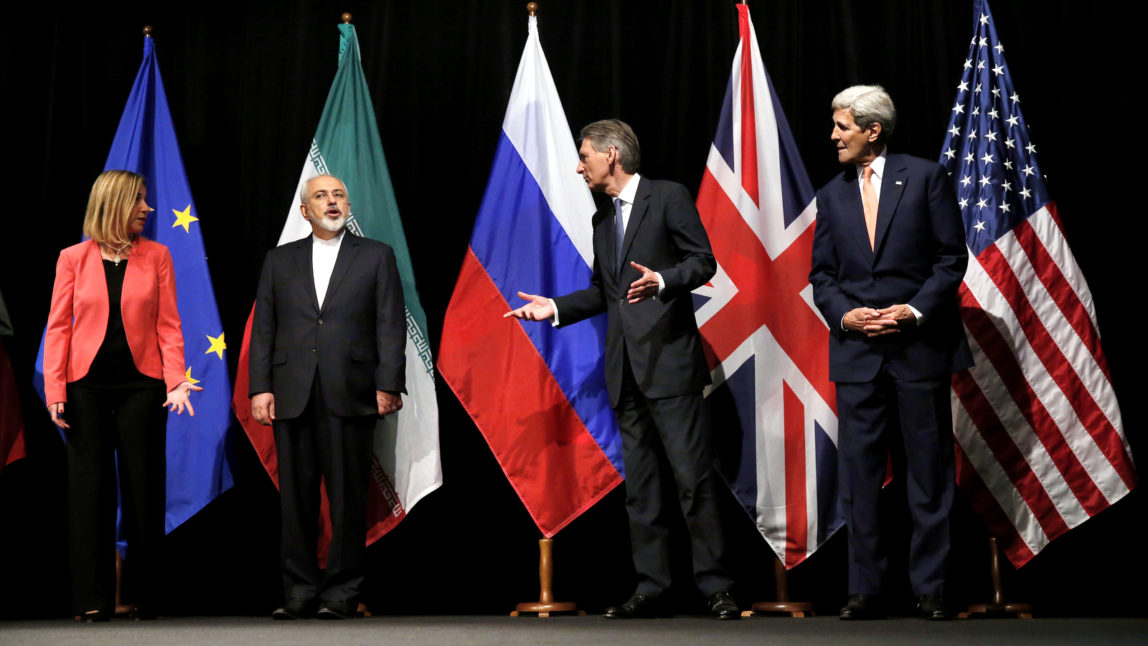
(246, 82)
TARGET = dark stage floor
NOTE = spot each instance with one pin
(460, 631)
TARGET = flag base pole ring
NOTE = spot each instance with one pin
(783, 605)
(998, 608)
(546, 603)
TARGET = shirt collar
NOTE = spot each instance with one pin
(878, 165)
(630, 190)
(333, 242)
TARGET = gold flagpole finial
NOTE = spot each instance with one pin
(147, 31)
(532, 9)
(346, 17)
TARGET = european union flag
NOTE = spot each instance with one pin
(197, 467)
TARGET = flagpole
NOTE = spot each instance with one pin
(546, 603)
(124, 609)
(781, 582)
(999, 607)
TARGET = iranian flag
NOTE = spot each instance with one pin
(405, 463)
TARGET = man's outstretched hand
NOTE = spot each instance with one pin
(538, 309)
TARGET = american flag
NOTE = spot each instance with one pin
(768, 347)
(1040, 444)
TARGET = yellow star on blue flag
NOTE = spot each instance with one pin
(217, 345)
(184, 218)
(188, 378)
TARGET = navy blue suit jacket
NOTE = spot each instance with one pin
(660, 335)
(919, 259)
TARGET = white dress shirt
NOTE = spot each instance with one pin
(323, 255)
(878, 166)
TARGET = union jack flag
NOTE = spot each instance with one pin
(1040, 443)
(768, 347)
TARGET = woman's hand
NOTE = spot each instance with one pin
(56, 410)
(177, 399)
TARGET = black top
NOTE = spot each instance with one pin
(113, 364)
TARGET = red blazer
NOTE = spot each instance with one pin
(78, 319)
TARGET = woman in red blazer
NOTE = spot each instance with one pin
(113, 358)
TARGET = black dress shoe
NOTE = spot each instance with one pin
(94, 616)
(932, 607)
(863, 606)
(338, 609)
(638, 606)
(295, 609)
(721, 606)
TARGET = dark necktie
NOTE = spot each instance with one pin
(619, 233)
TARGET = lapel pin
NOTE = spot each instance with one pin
(898, 182)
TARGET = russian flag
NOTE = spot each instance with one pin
(537, 394)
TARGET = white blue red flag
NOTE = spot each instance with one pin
(1040, 443)
(538, 395)
(768, 347)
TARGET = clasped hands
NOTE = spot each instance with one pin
(878, 322)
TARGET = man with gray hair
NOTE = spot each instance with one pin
(650, 251)
(888, 256)
(327, 361)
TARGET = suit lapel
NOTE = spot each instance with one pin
(134, 272)
(304, 262)
(343, 261)
(854, 224)
(637, 214)
(605, 229)
(892, 186)
(91, 278)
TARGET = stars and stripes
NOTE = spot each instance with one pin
(766, 343)
(1041, 446)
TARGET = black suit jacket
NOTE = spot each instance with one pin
(355, 342)
(919, 259)
(660, 335)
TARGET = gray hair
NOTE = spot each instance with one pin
(612, 132)
(869, 104)
(304, 185)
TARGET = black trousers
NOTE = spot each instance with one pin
(337, 449)
(870, 415)
(114, 426)
(678, 428)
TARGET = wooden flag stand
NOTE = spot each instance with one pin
(546, 604)
(783, 605)
(998, 608)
